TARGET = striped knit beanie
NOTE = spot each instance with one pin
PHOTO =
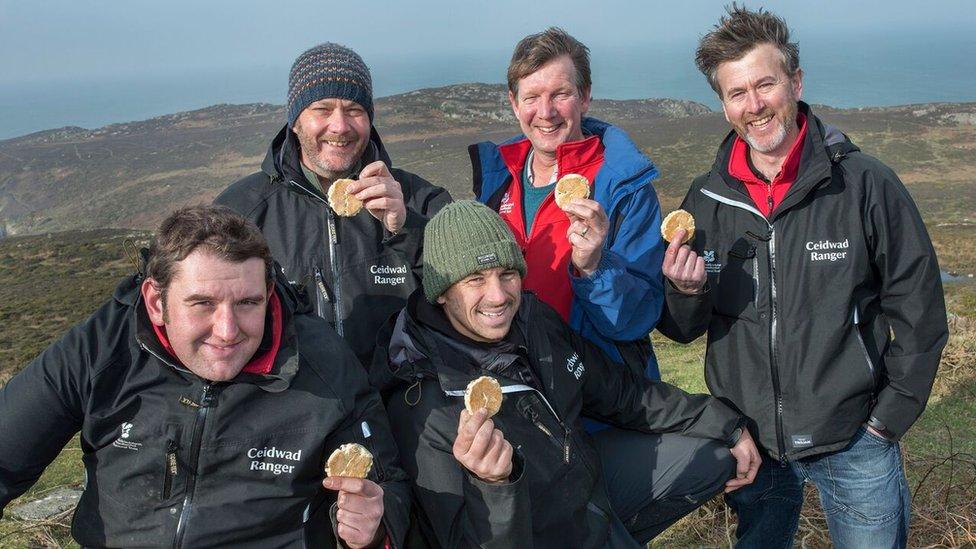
(326, 71)
(463, 238)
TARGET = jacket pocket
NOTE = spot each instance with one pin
(738, 282)
(870, 366)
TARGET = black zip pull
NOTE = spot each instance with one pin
(566, 446)
(321, 284)
(171, 470)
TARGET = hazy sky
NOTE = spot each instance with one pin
(94, 62)
(60, 39)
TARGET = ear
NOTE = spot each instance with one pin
(153, 298)
(513, 101)
(725, 112)
(441, 299)
(797, 84)
(584, 101)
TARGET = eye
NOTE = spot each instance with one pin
(475, 281)
(509, 276)
(356, 111)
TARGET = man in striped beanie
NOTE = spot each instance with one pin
(358, 267)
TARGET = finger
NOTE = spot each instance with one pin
(495, 446)
(675, 243)
(470, 423)
(374, 169)
(505, 458)
(698, 274)
(481, 440)
(381, 189)
(345, 484)
(353, 536)
(584, 209)
(354, 503)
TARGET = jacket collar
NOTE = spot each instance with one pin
(813, 171)
(624, 167)
(286, 360)
(422, 332)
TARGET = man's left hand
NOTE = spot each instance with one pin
(587, 233)
(360, 503)
(381, 195)
(747, 461)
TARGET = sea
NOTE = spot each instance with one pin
(846, 71)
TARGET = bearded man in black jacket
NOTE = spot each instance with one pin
(531, 476)
(359, 269)
(814, 277)
(208, 398)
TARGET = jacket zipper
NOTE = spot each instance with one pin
(773, 363)
(206, 399)
(533, 416)
(864, 348)
(333, 260)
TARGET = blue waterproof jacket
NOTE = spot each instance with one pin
(619, 304)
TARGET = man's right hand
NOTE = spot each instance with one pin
(481, 448)
(683, 267)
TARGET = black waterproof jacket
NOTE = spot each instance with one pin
(828, 313)
(556, 496)
(358, 273)
(173, 460)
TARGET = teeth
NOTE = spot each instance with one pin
(338, 143)
(547, 130)
(486, 313)
(761, 122)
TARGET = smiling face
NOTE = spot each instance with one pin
(760, 100)
(333, 134)
(482, 305)
(549, 106)
(213, 312)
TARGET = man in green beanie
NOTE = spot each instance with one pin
(530, 475)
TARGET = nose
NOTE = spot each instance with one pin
(338, 122)
(494, 291)
(225, 326)
(546, 108)
(754, 102)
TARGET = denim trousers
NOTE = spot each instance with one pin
(862, 489)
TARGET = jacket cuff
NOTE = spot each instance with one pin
(606, 269)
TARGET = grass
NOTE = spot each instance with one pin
(939, 451)
(49, 282)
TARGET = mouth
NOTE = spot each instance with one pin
(493, 314)
(546, 130)
(223, 348)
(338, 143)
(761, 123)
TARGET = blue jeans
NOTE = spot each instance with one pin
(862, 489)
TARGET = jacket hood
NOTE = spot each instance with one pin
(283, 159)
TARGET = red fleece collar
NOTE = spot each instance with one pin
(260, 364)
(763, 193)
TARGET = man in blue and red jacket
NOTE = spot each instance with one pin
(598, 263)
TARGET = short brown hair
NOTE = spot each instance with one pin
(223, 232)
(535, 50)
(737, 34)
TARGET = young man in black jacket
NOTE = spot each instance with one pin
(531, 476)
(359, 269)
(208, 398)
(815, 279)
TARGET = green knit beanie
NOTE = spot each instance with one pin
(463, 238)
